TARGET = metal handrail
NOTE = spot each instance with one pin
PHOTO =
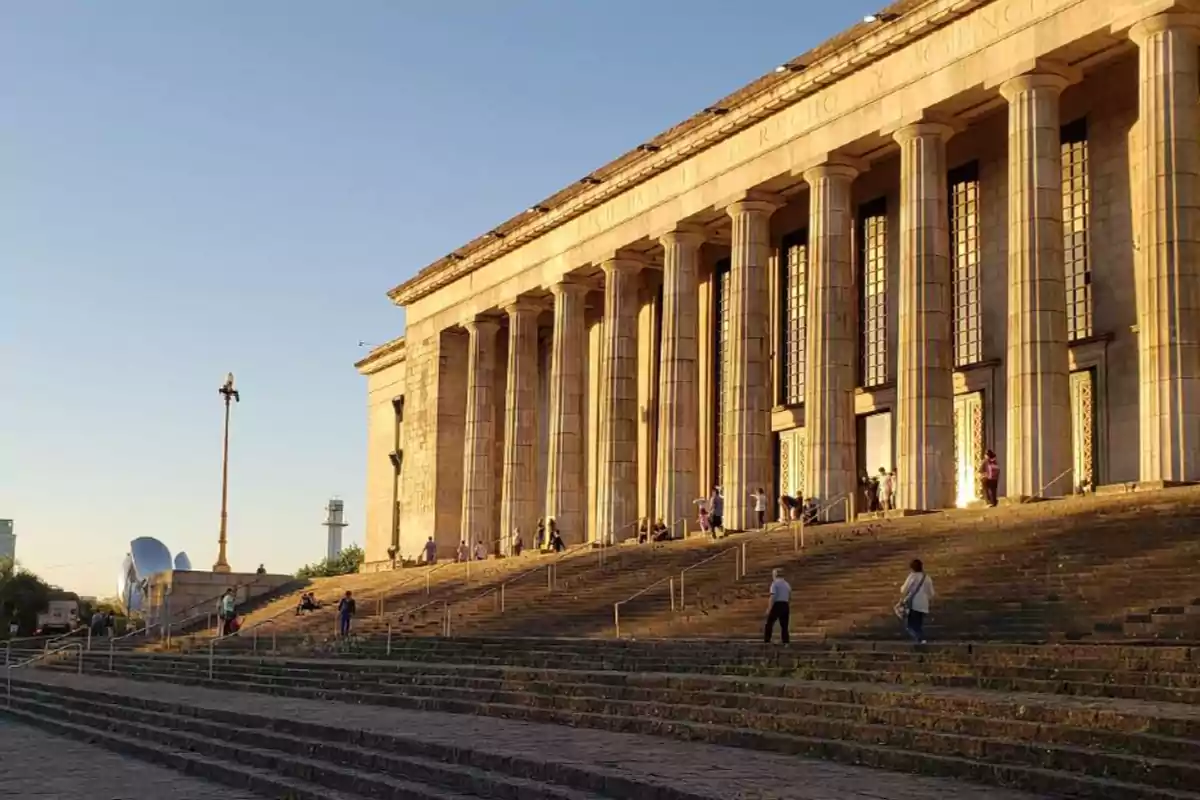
(39, 657)
(66, 635)
(617, 605)
(798, 530)
(1061, 475)
(602, 546)
(738, 570)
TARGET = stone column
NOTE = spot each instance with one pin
(746, 451)
(478, 470)
(831, 342)
(1039, 402)
(925, 379)
(616, 495)
(568, 351)
(518, 492)
(678, 424)
(1169, 252)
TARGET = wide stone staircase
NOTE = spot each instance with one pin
(1074, 720)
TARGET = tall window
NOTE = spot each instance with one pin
(720, 361)
(1076, 205)
(873, 271)
(964, 250)
(793, 277)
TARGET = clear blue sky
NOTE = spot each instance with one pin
(196, 187)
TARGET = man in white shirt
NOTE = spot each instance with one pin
(760, 506)
(778, 607)
(915, 595)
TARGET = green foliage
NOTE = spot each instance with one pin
(347, 563)
(23, 596)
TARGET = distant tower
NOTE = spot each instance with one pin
(8, 539)
(334, 523)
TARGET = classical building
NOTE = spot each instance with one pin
(960, 225)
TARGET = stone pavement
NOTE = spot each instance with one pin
(723, 772)
(35, 764)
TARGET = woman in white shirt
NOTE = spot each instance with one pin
(915, 595)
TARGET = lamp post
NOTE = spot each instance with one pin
(231, 395)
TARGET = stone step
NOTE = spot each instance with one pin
(1033, 767)
(335, 765)
(250, 779)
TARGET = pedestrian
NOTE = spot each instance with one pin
(760, 507)
(556, 541)
(778, 607)
(540, 534)
(887, 487)
(96, 626)
(915, 595)
(346, 608)
(517, 544)
(228, 612)
(480, 550)
(703, 519)
(871, 487)
(262, 570)
(462, 555)
(716, 511)
(990, 470)
(430, 551)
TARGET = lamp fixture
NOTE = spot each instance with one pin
(648, 148)
(782, 68)
(498, 235)
(591, 180)
(881, 16)
(538, 210)
(716, 111)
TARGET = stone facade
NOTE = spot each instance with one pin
(966, 226)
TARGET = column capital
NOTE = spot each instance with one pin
(522, 305)
(754, 202)
(481, 323)
(849, 169)
(684, 234)
(927, 129)
(1143, 29)
(624, 262)
(1038, 74)
(568, 286)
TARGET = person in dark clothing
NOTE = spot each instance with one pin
(778, 607)
(346, 609)
(990, 470)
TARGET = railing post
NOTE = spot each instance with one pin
(212, 644)
(550, 578)
(379, 613)
(427, 571)
(672, 581)
(502, 598)
(89, 639)
(617, 619)
(111, 646)
(388, 650)
(255, 639)
(743, 560)
(80, 659)
(682, 596)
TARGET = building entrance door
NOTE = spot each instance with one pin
(1083, 431)
(790, 468)
(968, 448)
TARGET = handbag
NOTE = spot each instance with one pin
(902, 608)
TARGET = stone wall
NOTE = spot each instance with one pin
(383, 436)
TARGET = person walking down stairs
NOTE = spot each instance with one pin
(228, 612)
(346, 609)
(990, 470)
(778, 607)
(915, 595)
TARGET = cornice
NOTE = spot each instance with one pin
(382, 357)
(846, 53)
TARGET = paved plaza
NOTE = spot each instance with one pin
(719, 772)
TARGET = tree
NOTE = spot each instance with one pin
(346, 563)
(23, 596)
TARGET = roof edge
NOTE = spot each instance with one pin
(382, 357)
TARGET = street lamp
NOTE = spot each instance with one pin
(230, 394)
